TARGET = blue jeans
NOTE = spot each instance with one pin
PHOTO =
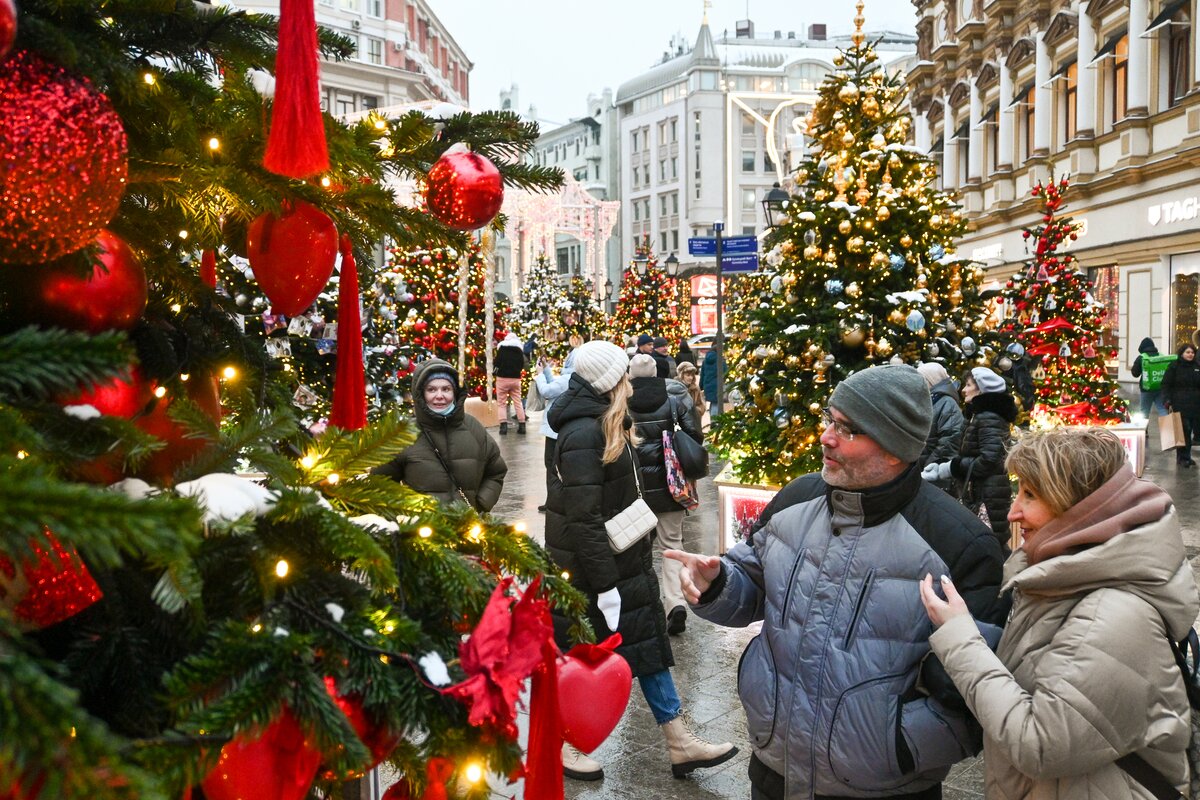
(659, 691)
(712, 409)
(1152, 399)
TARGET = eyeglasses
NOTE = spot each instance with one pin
(843, 430)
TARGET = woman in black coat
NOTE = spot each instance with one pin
(1181, 392)
(655, 411)
(593, 480)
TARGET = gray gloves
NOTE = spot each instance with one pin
(936, 472)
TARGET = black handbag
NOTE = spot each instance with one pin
(693, 458)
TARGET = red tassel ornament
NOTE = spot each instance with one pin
(296, 144)
(349, 410)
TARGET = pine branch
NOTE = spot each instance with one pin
(42, 363)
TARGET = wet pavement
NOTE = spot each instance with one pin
(706, 655)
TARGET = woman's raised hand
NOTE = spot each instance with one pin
(941, 611)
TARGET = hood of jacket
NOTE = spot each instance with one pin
(649, 395)
(420, 410)
(511, 340)
(947, 389)
(1148, 561)
(1147, 347)
(580, 400)
(999, 403)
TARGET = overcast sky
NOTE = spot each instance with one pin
(557, 51)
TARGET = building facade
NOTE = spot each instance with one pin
(403, 54)
(1007, 93)
(704, 134)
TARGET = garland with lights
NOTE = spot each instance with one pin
(294, 629)
(859, 271)
(650, 301)
(1057, 321)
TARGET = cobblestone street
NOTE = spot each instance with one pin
(635, 756)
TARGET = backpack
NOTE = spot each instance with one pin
(1187, 656)
(1153, 369)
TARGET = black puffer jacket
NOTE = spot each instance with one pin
(979, 468)
(474, 456)
(510, 362)
(655, 411)
(583, 492)
(1181, 386)
(945, 434)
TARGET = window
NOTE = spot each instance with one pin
(1178, 46)
(768, 164)
(696, 126)
(326, 2)
(748, 160)
(674, 241)
(634, 140)
(375, 8)
(748, 125)
(662, 133)
(501, 274)
(747, 230)
(674, 129)
(662, 205)
(646, 208)
(374, 50)
(353, 37)
(806, 77)
(749, 200)
(674, 202)
(637, 207)
(564, 260)
(674, 167)
(1070, 99)
(662, 170)
(1119, 97)
(1028, 120)
(350, 5)
(662, 240)
(1106, 283)
(369, 102)
(343, 104)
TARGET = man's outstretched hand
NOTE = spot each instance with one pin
(697, 574)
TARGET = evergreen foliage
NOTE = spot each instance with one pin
(651, 302)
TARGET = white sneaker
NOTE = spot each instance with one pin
(579, 766)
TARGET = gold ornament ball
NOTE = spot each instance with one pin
(813, 350)
(830, 256)
(844, 226)
(848, 93)
(819, 195)
(935, 221)
(879, 259)
(922, 280)
(897, 317)
(980, 325)
(853, 289)
(838, 61)
(839, 126)
(878, 141)
(812, 253)
(906, 241)
(791, 298)
(814, 408)
(801, 175)
(853, 337)
(787, 247)
(956, 297)
(792, 361)
(883, 213)
(855, 244)
(883, 348)
(848, 139)
(870, 106)
(789, 279)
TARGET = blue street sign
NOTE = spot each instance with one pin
(707, 245)
(743, 262)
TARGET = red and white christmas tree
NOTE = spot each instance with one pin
(650, 301)
(1058, 320)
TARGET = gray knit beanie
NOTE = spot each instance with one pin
(642, 366)
(891, 405)
(602, 364)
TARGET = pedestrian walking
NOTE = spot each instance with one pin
(945, 432)
(452, 458)
(510, 366)
(664, 364)
(594, 479)
(685, 354)
(1150, 386)
(1083, 680)
(689, 376)
(829, 685)
(550, 387)
(708, 381)
(1181, 392)
(645, 344)
(978, 469)
(654, 413)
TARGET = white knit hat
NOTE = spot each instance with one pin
(988, 381)
(642, 366)
(511, 340)
(602, 364)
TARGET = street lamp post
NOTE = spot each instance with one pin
(775, 203)
(672, 264)
(719, 341)
(641, 264)
(608, 301)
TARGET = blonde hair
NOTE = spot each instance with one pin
(1064, 465)
(612, 422)
(575, 340)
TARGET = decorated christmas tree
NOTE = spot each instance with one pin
(247, 594)
(1057, 321)
(542, 294)
(579, 315)
(414, 315)
(859, 271)
(650, 301)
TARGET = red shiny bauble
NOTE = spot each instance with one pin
(8, 33)
(64, 155)
(605, 680)
(59, 585)
(464, 190)
(379, 739)
(278, 763)
(160, 466)
(123, 396)
(292, 256)
(420, 326)
(112, 296)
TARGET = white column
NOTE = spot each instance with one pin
(1139, 59)
(1085, 83)
(950, 178)
(975, 132)
(1007, 118)
(921, 132)
(1043, 105)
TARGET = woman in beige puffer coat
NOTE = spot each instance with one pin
(1084, 674)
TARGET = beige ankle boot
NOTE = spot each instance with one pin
(577, 765)
(689, 752)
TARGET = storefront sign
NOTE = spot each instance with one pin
(1174, 211)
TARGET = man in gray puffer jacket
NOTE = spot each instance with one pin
(836, 704)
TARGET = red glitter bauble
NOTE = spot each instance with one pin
(112, 296)
(465, 190)
(8, 26)
(60, 585)
(292, 256)
(63, 151)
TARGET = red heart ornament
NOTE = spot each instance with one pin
(593, 691)
(160, 466)
(292, 256)
(277, 764)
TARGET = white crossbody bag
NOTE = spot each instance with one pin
(633, 522)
